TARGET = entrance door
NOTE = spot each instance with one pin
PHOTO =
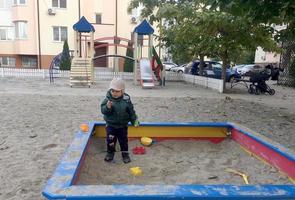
(100, 62)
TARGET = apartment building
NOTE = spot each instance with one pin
(263, 57)
(32, 32)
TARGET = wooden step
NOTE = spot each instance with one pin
(81, 72)
(76, 79)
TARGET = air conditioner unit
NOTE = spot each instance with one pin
(133, 20)
(51, 11)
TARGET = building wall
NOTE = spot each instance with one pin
(6, 46)
(26, 13)
(66, 17)
(264, 58)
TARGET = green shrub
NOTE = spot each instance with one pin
(292, 72)
(65, 63)
(128, 65)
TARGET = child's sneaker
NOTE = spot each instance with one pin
(109, 157)
(126, 158)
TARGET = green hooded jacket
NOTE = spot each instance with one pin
(120, 113)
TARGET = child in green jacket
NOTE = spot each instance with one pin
(117, 110)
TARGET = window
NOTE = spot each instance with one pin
(7, 62)
(29, 62)
(19, 2)
(98, 18)
(3, 34)
(59, 3)
(5, 3)
(21, 29)
(6, 33)
(60, 33)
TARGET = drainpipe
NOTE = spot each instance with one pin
(116, 35)
(39, 39)
(80, 46)
(79, 9)
(116, 27)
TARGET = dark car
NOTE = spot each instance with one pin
(216, 72)
(193, 66)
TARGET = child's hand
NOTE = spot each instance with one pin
(136, 123)
(109, 104)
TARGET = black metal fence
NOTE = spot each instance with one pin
(287, 57)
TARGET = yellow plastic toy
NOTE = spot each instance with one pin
(244, 176)
(146, 141)
(136, 171)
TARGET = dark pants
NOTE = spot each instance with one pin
(114, 134)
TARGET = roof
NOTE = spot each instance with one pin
(144, 28)
(83, 26)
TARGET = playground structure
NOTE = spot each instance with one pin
(145, 68)
(54, 67)
(113, 42)
(62, 185)
(82, 67)
(82, 72)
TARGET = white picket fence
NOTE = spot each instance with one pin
(98, 75)
(214, 84)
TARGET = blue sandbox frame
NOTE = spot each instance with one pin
(60, 185)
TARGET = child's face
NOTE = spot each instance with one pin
(116, 93)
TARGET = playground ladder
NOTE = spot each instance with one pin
(81, 72)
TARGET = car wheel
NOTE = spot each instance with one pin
(180, 71)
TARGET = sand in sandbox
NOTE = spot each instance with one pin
(177, 162)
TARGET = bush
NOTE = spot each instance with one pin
(65, 63)
(128, 65)
(292, 72)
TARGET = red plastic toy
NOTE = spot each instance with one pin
(138, 150)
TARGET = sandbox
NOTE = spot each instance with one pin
(186, 161)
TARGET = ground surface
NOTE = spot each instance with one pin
(39, 121)
(180, 162)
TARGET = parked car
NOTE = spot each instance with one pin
(169, 65)
(275, 71)
(248, 69)
(179, 69)
(216, 72)
(193, 67)
(236, 67)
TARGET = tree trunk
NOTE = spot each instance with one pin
(201, 65)
(224, 64)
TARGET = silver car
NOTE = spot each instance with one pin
(169, 65)
(179, 69)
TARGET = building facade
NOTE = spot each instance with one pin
(32, 32)
(264, 58)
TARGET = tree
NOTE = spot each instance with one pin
(199, 30)
(65, 63)
(194, 29)
(128, 65)
(277, 12)
(292, 69)
(246, 56)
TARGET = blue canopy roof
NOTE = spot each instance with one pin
(144, 28)
(83, 26)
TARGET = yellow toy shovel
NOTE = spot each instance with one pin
(244, 176)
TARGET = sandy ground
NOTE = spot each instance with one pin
(39, 121)
(178, 162)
